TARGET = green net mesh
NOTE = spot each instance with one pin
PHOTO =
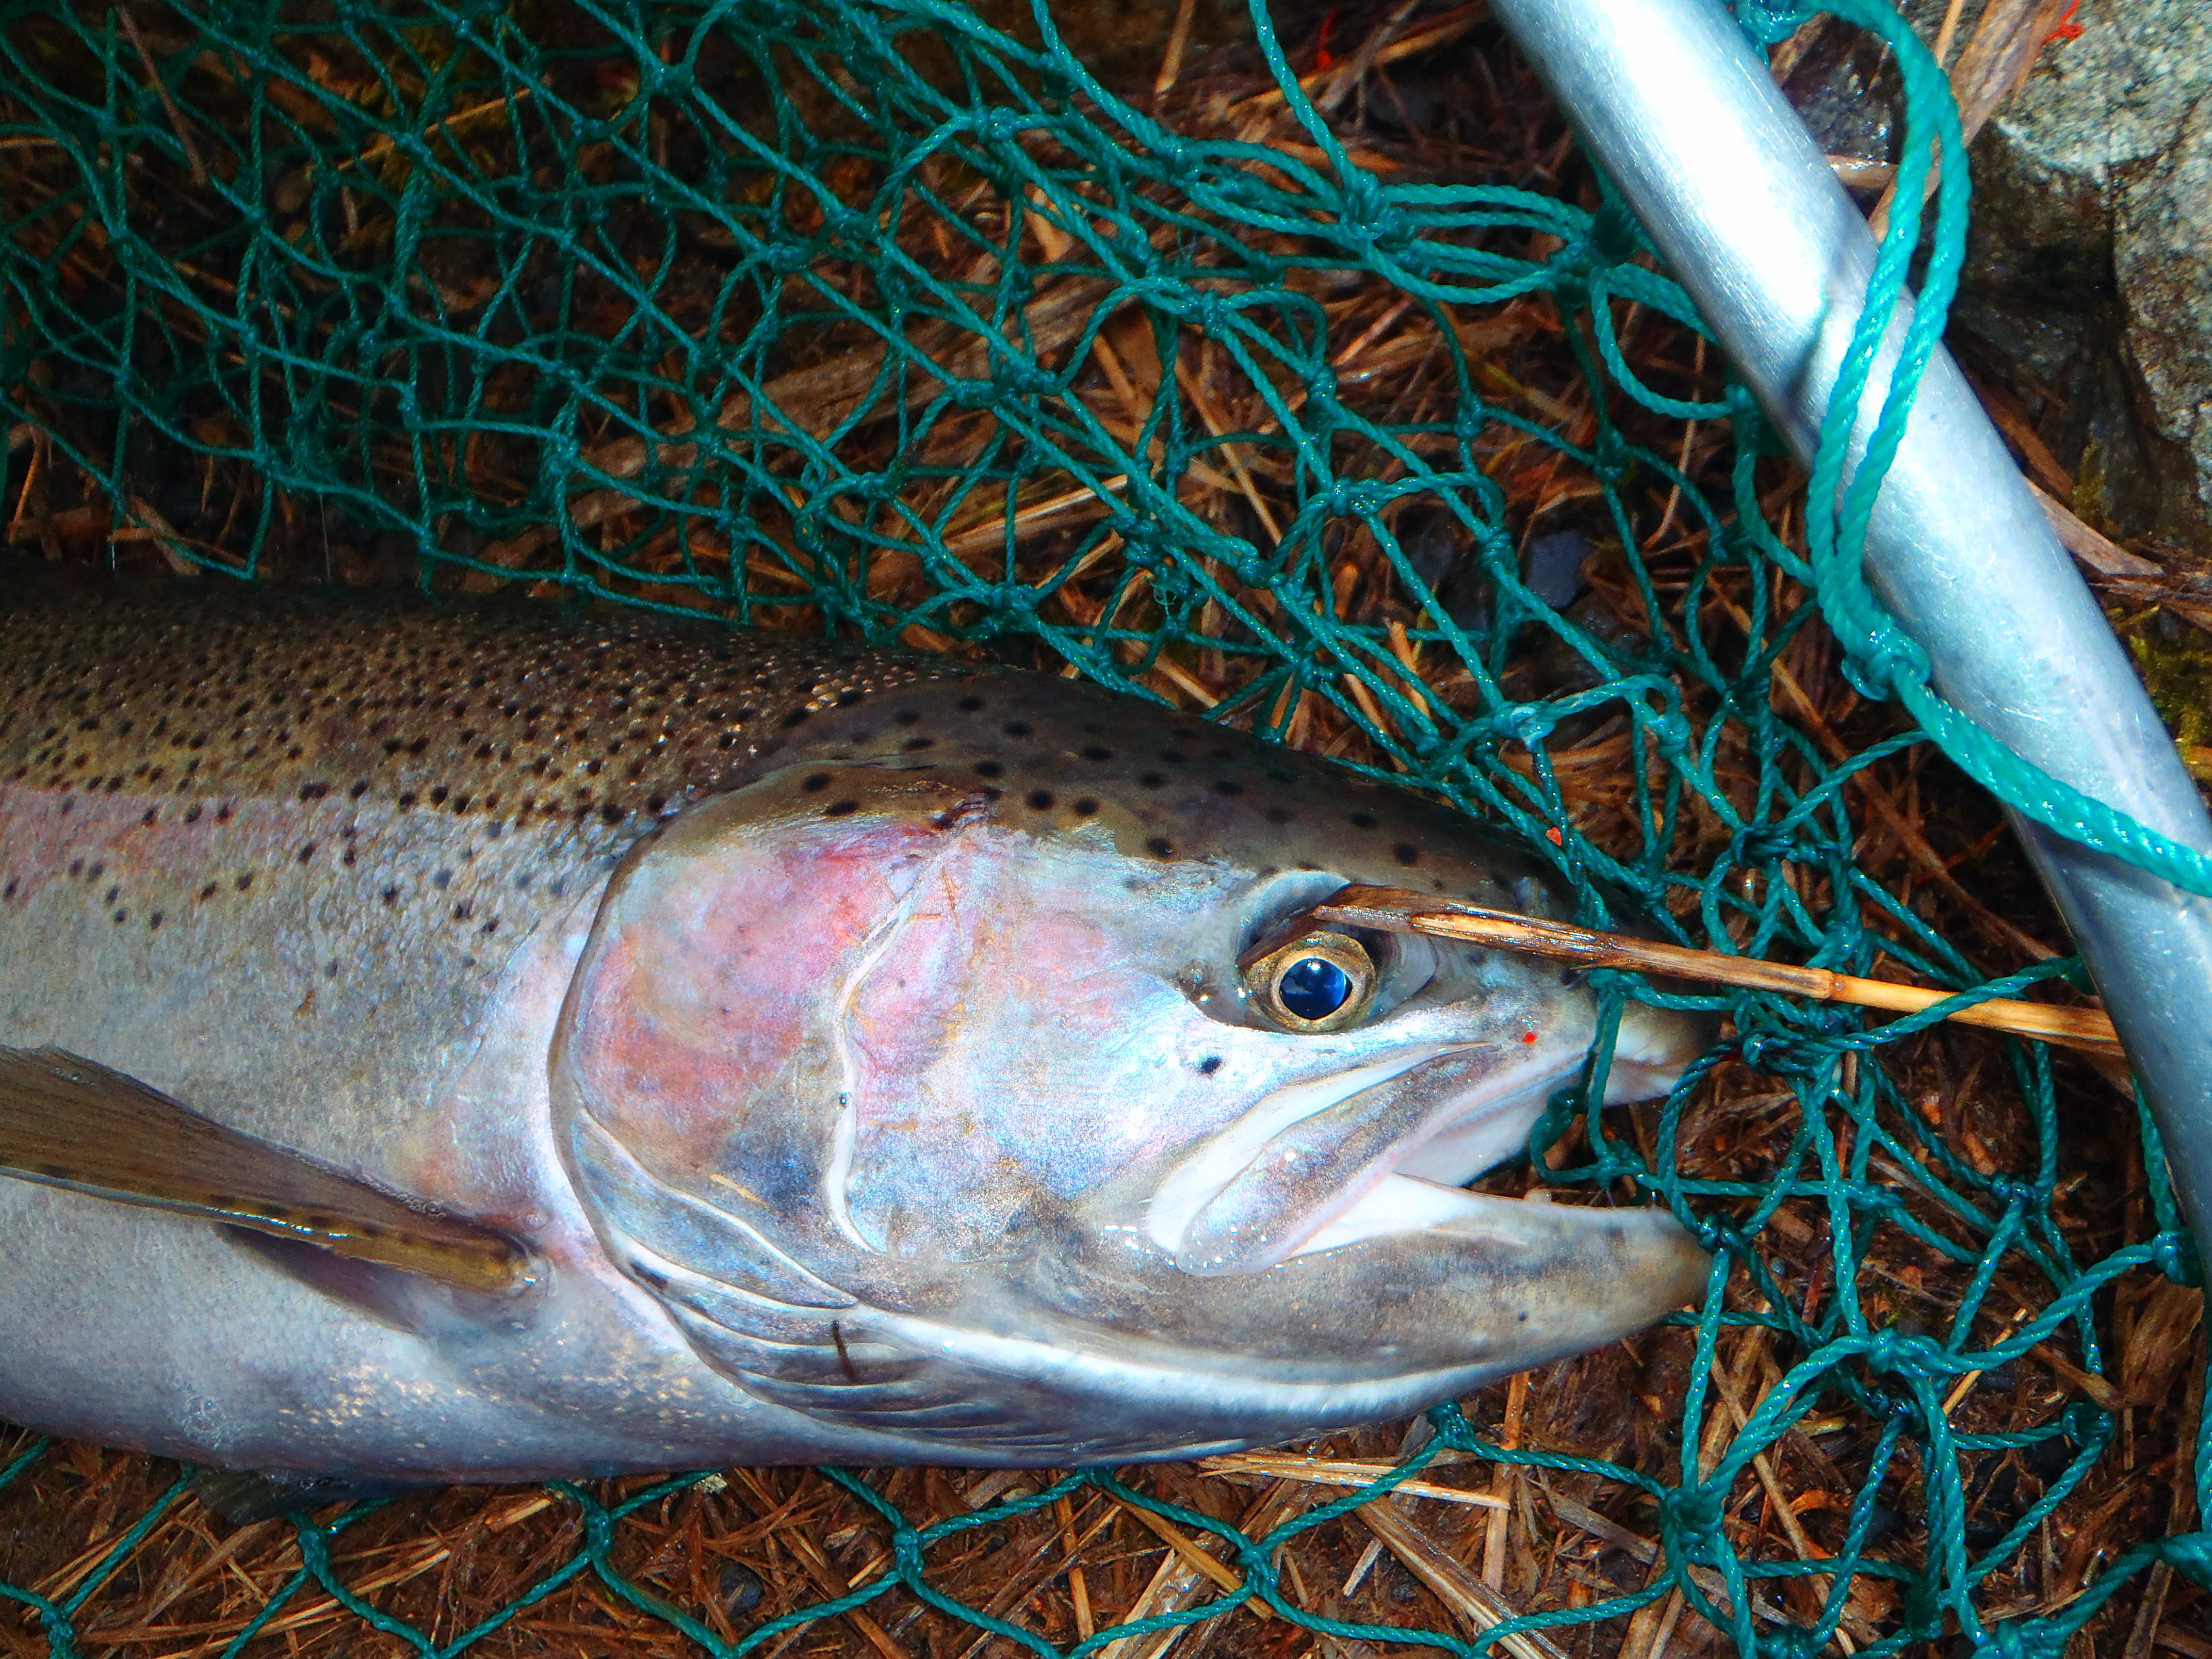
(871, 317)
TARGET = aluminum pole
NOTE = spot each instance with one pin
(1673, 102)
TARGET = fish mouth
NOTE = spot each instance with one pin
(1374, 1151)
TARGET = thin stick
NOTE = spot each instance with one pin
(1440, 30)
(384, 144)
(1214, 423)
(1172, 60)
(1949, 31)
(1397, 911)
(991, 534)
(1359, 1567)
(1195, 1556)
(1324, 1472)
(1481, 1607)
(1994, 63)
(161, 91)
(1502, 1477)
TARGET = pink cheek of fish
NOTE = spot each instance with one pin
(981, 1025)
(905, 1015)
(903, 1022)
(711, 973)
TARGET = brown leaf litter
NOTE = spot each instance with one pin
(1468, 1543)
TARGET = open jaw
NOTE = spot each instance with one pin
(1372, 1152)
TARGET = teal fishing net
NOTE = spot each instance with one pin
(880, 318)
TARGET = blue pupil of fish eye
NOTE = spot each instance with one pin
(1314, 987)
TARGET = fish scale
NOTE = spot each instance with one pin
(792, 1052)
(400, 789)
(517, 713)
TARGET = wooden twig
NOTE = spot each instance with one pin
(1481, 1608)
(384, 144)
(1860, 174)
(1172, 60)
(1431, 32)
(1328, 1472)
(2099, 552)
(1177, 1584)
(161, 91)
(1396, 910)
(1989, 72)
(1194, 1555)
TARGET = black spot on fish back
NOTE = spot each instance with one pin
(586, 730)
(393, 700)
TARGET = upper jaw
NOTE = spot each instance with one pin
(1376, 1149)
(1382, 1149)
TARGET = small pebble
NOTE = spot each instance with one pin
(741, 1587)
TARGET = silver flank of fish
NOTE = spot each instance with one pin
(856, 1042)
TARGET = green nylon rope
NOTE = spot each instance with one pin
(1884, 660)
(422, 303)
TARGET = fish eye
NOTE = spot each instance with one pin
(1314, 987)
(1320, 982)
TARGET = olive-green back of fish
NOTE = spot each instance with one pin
(517, 712)
(588, 727)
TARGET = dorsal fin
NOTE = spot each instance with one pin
(68, 1121)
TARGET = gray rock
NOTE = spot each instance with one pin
(2098, 109)
(1555, 567)
(2090, 260)
(2162, 255)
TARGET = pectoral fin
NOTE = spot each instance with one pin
(67, 1122)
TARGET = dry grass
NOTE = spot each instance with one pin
(759, 1543)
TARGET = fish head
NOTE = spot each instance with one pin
(969, 1077)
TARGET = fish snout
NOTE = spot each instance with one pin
(1384, 1149)
(1337, 1210)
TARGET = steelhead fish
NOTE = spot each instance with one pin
(497, 1042)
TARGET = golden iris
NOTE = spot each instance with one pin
(1320, 982)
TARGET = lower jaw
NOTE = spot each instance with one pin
(1426, 1189)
